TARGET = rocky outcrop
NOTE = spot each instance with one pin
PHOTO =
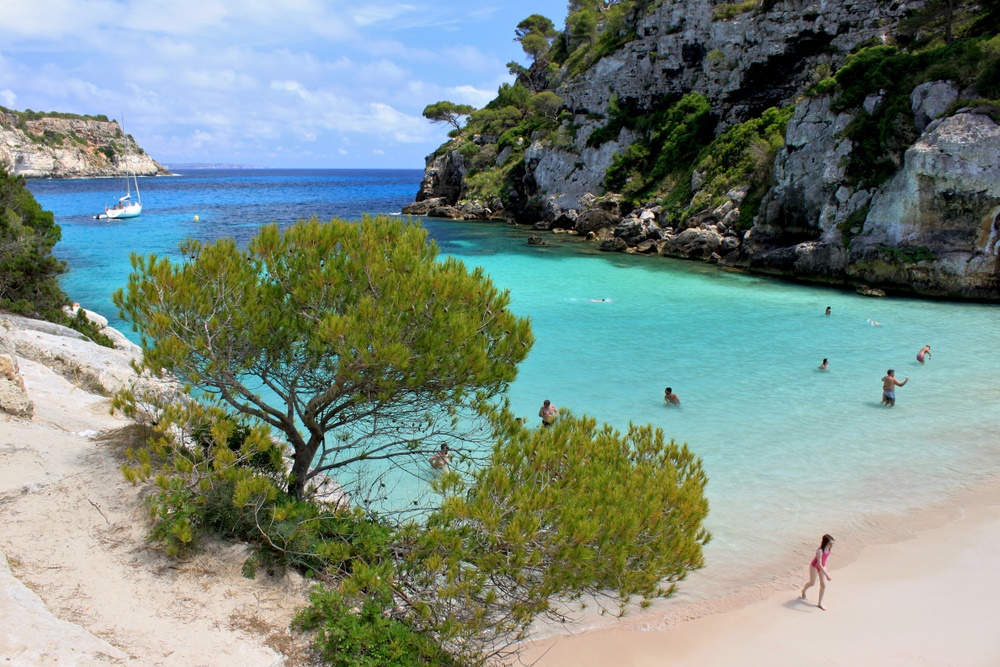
(13, 396)
(932, 229)
(51, 147)
(98, 370)
(935, 226)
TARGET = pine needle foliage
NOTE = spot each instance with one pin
(558, 518)
(355, 341)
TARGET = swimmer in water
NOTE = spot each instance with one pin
(925, 351)
(441, 459)
(670, 397)
(600, 300)
(874, 323)
(828, 310)
(825, 366)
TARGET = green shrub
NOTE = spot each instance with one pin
(361, 633)
(853, 224)
(732, 10)
(28, 114)
(29, 274)
(672, 137)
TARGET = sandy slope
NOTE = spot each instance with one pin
(73, 532)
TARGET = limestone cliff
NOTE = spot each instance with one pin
(67, 146)
(825, 141)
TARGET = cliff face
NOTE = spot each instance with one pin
(922, 215)
(58, 147)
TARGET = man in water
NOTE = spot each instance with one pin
(670, 397)
(825, 366)
(548, 413)
(889, 384)
(828, 310)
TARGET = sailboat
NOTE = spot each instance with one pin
(126, 208)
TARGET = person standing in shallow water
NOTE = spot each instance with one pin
(818, 568)
(925, 351)
(889, 384)
(828, 310)
(825, 366)
(670, 397)
(548, 413)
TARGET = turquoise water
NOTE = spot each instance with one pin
(791, 451)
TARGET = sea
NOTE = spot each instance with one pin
(791, 451)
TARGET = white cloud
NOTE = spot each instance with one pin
(342, 151)
(470, 95)
(371, 14)
(244, 80)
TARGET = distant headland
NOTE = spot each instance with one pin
(210, 165)
(37, 144)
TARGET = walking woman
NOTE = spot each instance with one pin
(818, 568)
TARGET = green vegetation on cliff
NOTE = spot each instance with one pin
(28, 114)
(880, 138)
(29, 273)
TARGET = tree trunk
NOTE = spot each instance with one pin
(300, 469)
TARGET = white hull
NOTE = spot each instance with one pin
(125, 208)
(130, 211)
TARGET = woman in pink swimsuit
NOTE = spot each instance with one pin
(818, 566)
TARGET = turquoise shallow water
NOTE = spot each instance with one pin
(791, 451)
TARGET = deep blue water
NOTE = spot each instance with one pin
(791, 451)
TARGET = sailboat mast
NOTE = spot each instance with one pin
(129, 171)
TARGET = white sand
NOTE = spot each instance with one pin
(930, 600)
(74, 532)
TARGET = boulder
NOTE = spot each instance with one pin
(566, 220)
(595, 219)
(424, 207)
(930, 100)
(693, 243)
(865, 290)
(635, 230)
(447, 212)
(13, 396)
(536, 240)
(613, 245)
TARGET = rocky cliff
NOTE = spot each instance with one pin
(825, 141)
(66, 146)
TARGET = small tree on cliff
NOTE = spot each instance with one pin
(447, 112)
(353, 340)
(29, 274)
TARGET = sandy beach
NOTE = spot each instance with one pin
(926, 600)
(80, 585)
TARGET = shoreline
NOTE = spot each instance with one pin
(915, 588)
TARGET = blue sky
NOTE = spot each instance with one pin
(275, 83)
